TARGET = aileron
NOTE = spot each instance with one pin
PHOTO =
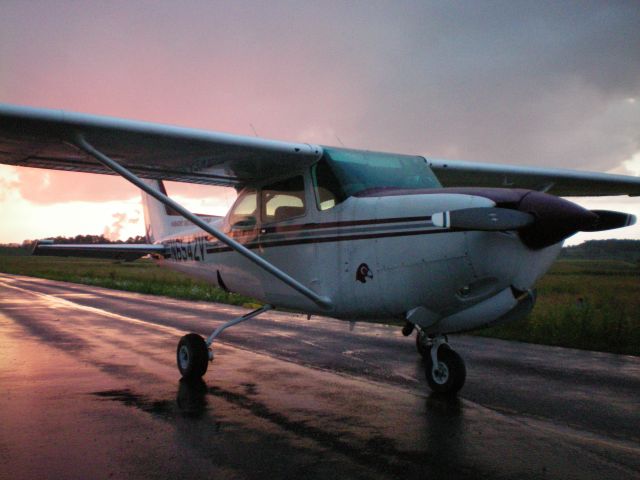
(557, 181)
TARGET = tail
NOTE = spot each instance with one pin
(158, 217)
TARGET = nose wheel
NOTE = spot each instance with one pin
(444, 368)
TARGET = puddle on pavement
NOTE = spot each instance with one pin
(190, 401)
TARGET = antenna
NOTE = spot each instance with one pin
(338, 138)
(254, 130)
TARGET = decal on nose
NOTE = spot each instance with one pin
(363, 272)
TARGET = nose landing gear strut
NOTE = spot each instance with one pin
(444, 368)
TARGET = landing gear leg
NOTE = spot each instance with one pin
(423, 342)
(194, 353)
(444, 368)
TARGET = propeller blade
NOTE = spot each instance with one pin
(485, 219)
(608, 220)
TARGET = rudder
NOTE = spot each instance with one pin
(157, 216)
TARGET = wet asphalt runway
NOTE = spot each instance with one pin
(89, 389)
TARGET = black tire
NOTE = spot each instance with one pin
(424, 349)
(192, 356)
(454, 372)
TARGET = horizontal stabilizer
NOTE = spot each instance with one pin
(115, 251)
(485, 219)
(608, 220)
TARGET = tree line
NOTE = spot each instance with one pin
(84, 239)
(613, 249)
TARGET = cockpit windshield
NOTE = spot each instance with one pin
(356, 171)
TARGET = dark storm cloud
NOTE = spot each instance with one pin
(514, 82)
(541, 83)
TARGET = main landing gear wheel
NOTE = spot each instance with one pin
(449, 375)
(192, 356)
(194, 353)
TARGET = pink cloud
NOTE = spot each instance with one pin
(41, 186)
(47, 187)
(113, 232)
(7, 185)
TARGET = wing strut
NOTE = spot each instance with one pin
(323, 302)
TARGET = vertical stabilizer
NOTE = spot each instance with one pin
(157, 216)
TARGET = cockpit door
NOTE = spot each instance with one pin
(243, 218)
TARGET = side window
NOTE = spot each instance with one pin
(244, 213)
(327, 188)
(283, 200)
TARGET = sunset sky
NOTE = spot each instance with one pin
(527, 83)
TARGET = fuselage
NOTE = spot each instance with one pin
(373, 233)
(379, 237)
(376, 256)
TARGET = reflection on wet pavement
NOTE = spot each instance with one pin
(89, 390)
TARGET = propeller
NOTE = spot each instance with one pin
(483, 218)
(540, 219)
(608, 220)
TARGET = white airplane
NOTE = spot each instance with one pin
(445, 246)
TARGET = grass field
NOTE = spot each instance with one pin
(142, 276)
(587, 304)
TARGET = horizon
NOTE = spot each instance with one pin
(21, 244)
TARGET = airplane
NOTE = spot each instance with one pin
(440, 246)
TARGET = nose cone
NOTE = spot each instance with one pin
(556, 219)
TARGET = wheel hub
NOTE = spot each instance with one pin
(183, 357)
(440, 374)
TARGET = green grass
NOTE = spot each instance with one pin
(587, 304)
(142, 276)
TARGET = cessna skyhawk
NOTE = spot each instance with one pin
(445, 246)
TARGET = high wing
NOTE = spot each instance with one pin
(137, 150)
(556, 181)
(44, 138)
(115, 251)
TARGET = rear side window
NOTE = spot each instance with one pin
(283, 200)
